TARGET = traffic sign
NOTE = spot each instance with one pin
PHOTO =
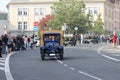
(35, 28)
(35, 23)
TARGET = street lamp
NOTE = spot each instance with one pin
(76, 28)
(64, 27)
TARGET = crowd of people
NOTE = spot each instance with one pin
(10, 44)
(16, 43)
(95, 39)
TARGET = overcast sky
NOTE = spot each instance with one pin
(3, 4)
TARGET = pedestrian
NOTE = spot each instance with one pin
(82, 38)
(10, 45)
(114, 39)
(0, 47)
(29, 42)
(73, 41)
(14, 43)
(102, 38)
(25, 38)
(118, 39)
(35, 42)
(4, 43)
(19, 42)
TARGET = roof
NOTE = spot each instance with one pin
(52, 32)
(3, 16)
(31, 2)
(19, 0)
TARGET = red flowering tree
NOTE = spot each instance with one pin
(43, 21)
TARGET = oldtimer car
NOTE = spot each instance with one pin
(51, 44)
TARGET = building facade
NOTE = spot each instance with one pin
(117, 16)
(23, 13)
(103, 7)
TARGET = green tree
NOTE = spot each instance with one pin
(71, 12)
(89, 21)
(98, 25)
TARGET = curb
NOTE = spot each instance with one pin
(118, 46)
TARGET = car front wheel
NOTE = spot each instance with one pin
(42, 55)
(61, 54)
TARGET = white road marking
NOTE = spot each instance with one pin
(2, 61)
(72, 68)
(2, 58)
(2, 64)
(99, 52)
(59, 61)
(111, 58)
(65, 65)
(2, 68)
(81, 72)
(7, 68)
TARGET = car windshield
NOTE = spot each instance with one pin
(51, 37)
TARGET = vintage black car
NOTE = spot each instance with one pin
(51, 44)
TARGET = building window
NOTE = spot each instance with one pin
(25, 25)
(25, 11)
(39, 11)
(96, 11)
(22, 11)
(90, 10)
(19, 25)
(42, 11)
(36, 11)
(19, 11)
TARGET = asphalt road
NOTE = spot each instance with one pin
(83, 62)
(2, 68)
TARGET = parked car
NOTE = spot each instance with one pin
(91, 39)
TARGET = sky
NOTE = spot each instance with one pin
(3, 4)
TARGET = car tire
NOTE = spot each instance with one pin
(61, 54)
(42, 55)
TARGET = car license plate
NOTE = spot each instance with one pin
(52, 54)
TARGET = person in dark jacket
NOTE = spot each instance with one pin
(0, 47)
(4, 43)
(73, 41)
(18, 41)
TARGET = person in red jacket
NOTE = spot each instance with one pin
(114, 39)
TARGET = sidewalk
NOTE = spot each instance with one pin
(118, 46)
(111, 46)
